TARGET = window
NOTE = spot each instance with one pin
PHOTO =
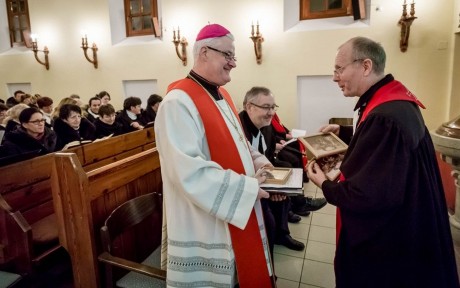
(18, 20)
(315, 9)
(139, 17)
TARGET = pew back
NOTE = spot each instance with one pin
(83, 200)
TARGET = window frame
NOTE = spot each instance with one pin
(305, 14)
(11, 28)
(128, 16)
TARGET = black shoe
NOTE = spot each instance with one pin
(293, 218)
(290, 243)
(310, 206)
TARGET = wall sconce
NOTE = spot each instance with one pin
(406, 22)
(257, 39)
(183, 43)
(45, 51)
(84, 46)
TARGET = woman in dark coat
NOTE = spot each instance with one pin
(31, 137)
(70, 126)
(105, 123)
(150, 112)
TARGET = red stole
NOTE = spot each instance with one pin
(393, 91)
(247, 244)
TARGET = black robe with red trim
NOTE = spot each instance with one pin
(395, 229)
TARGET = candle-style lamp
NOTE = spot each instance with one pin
(84, 46)
(257, 39)
(406, 22)
(183, 43)
(45, 51)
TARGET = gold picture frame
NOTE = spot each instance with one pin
(275, 175)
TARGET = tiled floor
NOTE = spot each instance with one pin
(312, 267)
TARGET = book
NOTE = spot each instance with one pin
(292, 186)
(327, 150)
(82, 142)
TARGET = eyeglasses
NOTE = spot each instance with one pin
(228, 56)
(266, 108)
(37, 122)
(338, 71)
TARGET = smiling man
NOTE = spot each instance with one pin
(394, 228)
(216, 234)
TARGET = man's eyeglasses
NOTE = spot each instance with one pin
(338, 71)
(228, 56)
(38, 122)
(266, 108)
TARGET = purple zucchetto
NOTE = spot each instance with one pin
(212, 31)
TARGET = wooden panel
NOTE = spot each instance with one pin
(114, 148)
(28, 197)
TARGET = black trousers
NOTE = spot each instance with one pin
(276, 220)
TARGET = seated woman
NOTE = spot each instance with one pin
(130, 118)
(105, 123)
(70, 126)
(31, 137)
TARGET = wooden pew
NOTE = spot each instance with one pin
(84, 199)
(26, 199)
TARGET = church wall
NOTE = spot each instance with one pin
(426, 68)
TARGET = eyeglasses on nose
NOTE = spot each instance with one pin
(266, 108)
(228, 56)
(339, 70)
(38, 122)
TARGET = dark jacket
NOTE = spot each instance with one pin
(126, 122)
(20, 142)
(67, 134)
(148, 115)
(10, 102)
(103, 129)
(90, 117)
(11, 125)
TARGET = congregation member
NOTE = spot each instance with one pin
(394, 228)
(3, 110)
(130, 117)
(71, 126)
(258, 109)
(213, 219)
(66, 100)
(31, 137)
(45, 104)
(26, 99)
(104, 96)
(106, 124)
(77, 99)
(14, 100)
(93, 109)
(11, 121)
(150, 111)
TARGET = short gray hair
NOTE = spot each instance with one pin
(207, 42)
(365, 48)
(253, 93)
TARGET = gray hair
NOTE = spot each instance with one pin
(253, 93)
(207, 42)
(365, 48)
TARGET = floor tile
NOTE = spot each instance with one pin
(328, 209)
(322, 234)
(299, 230)
(319, 251)
(318, 273)
(310, 187)
(288, 267)
(302, 285)
(283, 283)
(325, 220)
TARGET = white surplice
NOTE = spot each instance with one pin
(201, 198)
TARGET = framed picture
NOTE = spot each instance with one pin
(322, 144)
(275, 175)
(331, 165)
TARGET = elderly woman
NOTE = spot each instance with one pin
(70, 126)
(31, 137)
